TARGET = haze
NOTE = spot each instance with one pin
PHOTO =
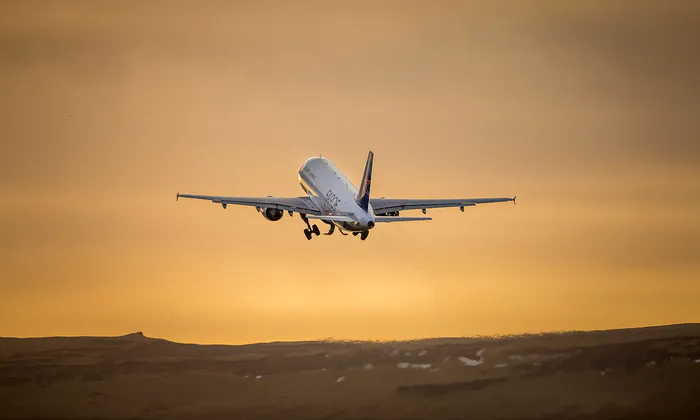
(587, 110)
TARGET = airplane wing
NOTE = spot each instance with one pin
(333, 218)
(392, 219)
(390, 205)
(297, 204)
(378, 219)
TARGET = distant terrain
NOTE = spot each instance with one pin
(641, 373)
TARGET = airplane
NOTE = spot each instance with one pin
(331, 198)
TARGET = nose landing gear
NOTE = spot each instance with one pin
(363, 235)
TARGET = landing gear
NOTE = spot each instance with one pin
(305, 219)
(310, 229)
(331, 230)
(363, 235)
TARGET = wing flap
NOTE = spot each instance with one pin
(332, 218)
(392, 219)
(387, 205)
(297, 204)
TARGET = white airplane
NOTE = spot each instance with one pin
(334, 200)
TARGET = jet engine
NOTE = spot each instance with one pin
(272, 215)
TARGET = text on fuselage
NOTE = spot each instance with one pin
(332, 200)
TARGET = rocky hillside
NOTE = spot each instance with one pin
(634, 373)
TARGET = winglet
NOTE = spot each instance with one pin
(177, 198)
(514, 197)
(363, 194)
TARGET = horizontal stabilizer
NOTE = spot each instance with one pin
(391, 219)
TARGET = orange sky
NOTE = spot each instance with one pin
(588, 111)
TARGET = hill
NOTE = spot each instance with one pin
(636, 373)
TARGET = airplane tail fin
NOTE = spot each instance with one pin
(363, 194)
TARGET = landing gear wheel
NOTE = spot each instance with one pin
(364, 236)
(307, 233)
(316, 231)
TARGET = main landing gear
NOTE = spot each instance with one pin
(311, 229)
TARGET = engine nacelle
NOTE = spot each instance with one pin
(272, 215)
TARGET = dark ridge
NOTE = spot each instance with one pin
(685, 329)
(137, 336)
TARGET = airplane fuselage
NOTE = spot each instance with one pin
(333, 193)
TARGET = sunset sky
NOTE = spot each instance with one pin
(588, 111)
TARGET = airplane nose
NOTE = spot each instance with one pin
(370, 225)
